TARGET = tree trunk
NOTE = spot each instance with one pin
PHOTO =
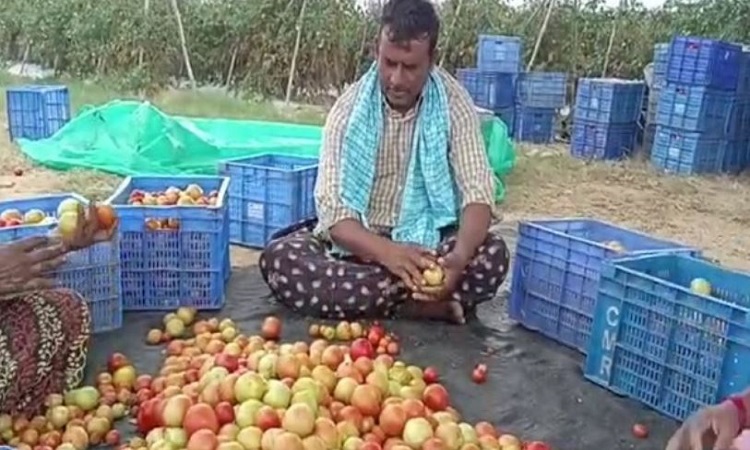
(183, 44)
(293, 67)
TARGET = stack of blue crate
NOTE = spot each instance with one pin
(661, 52)
(36, 111)
(699, 112)
(605, 118)
(539, 96)
(492, 84)
(737, 156)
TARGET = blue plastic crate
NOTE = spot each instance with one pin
(735, 155)
(542, 89)
(500, 53)
(695, 108)
(508, 116)
(743, 85)
(687, 153)
(268, 193)
(704, 62)
(556, 273)
(652, 104)
(739, 120)
(489, 90)
(93, 272)
(608, 100)
(593, 140)
(185, 264)
(661, 60)
(655, 341)
(36, 112)
(535, 124)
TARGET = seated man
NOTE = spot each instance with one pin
(404, 184)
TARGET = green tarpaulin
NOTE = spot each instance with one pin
(134, 138)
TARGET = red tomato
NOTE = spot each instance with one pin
(536, 445)
(374, 337)
(375, 334)
(142, 395)
(224, 413)
(479, 374)
(430, 375)
(200, 416)
(640, 431)
(148, 415)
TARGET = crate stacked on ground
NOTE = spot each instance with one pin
(671, 331)
(659, 79)
(556, 273)
(93, 272)
(739, 160)
(36, 112)
(605, 117)
(266, 194)
(492, 84)
(539, 96)
(174, 241)
(698, 108)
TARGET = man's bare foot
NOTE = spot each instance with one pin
(450, 311)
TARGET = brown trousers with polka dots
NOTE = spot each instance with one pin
(303, 275)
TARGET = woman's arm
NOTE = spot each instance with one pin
(716, 426)
(26, 264)
(741, 401)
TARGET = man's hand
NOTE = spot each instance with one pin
(407, 262)
(714, 427)
(454, 263)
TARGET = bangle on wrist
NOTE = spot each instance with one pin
(739, 405)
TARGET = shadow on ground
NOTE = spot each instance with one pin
(535, 388)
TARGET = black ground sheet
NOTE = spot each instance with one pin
(535, 388)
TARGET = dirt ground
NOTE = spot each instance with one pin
(712, 213)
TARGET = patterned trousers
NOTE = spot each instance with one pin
(44, 340)
(303, 276)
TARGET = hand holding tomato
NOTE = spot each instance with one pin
(453, 264)
(407, 262)
(94, 225)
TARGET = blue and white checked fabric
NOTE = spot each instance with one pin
(429, 200)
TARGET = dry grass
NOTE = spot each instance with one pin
(712, 213)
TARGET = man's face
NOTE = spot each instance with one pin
(404, 68)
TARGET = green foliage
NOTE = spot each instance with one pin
(95, 38)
